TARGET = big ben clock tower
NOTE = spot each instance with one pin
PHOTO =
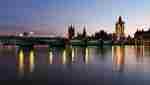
(119, 31)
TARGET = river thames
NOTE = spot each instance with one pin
(107, 65)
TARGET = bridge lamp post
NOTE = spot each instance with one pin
(31, 33)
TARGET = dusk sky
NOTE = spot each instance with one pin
(54, 16)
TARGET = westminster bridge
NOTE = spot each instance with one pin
(51, 41)
(28, 41)
(58, 41)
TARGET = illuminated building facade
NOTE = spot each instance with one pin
(120, 28)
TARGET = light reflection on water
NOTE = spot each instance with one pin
(131, 59)
(69, 56)
(25, 62)
(21, 62)
(118, 57)
(89, 63)
(30, 60)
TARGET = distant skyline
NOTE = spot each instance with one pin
(54, 16)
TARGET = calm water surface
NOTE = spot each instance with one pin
(109, 65)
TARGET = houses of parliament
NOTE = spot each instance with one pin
(119, 31)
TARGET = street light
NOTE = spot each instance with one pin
(31, 33)
(20, 35)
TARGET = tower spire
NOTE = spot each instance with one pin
(120, 28)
